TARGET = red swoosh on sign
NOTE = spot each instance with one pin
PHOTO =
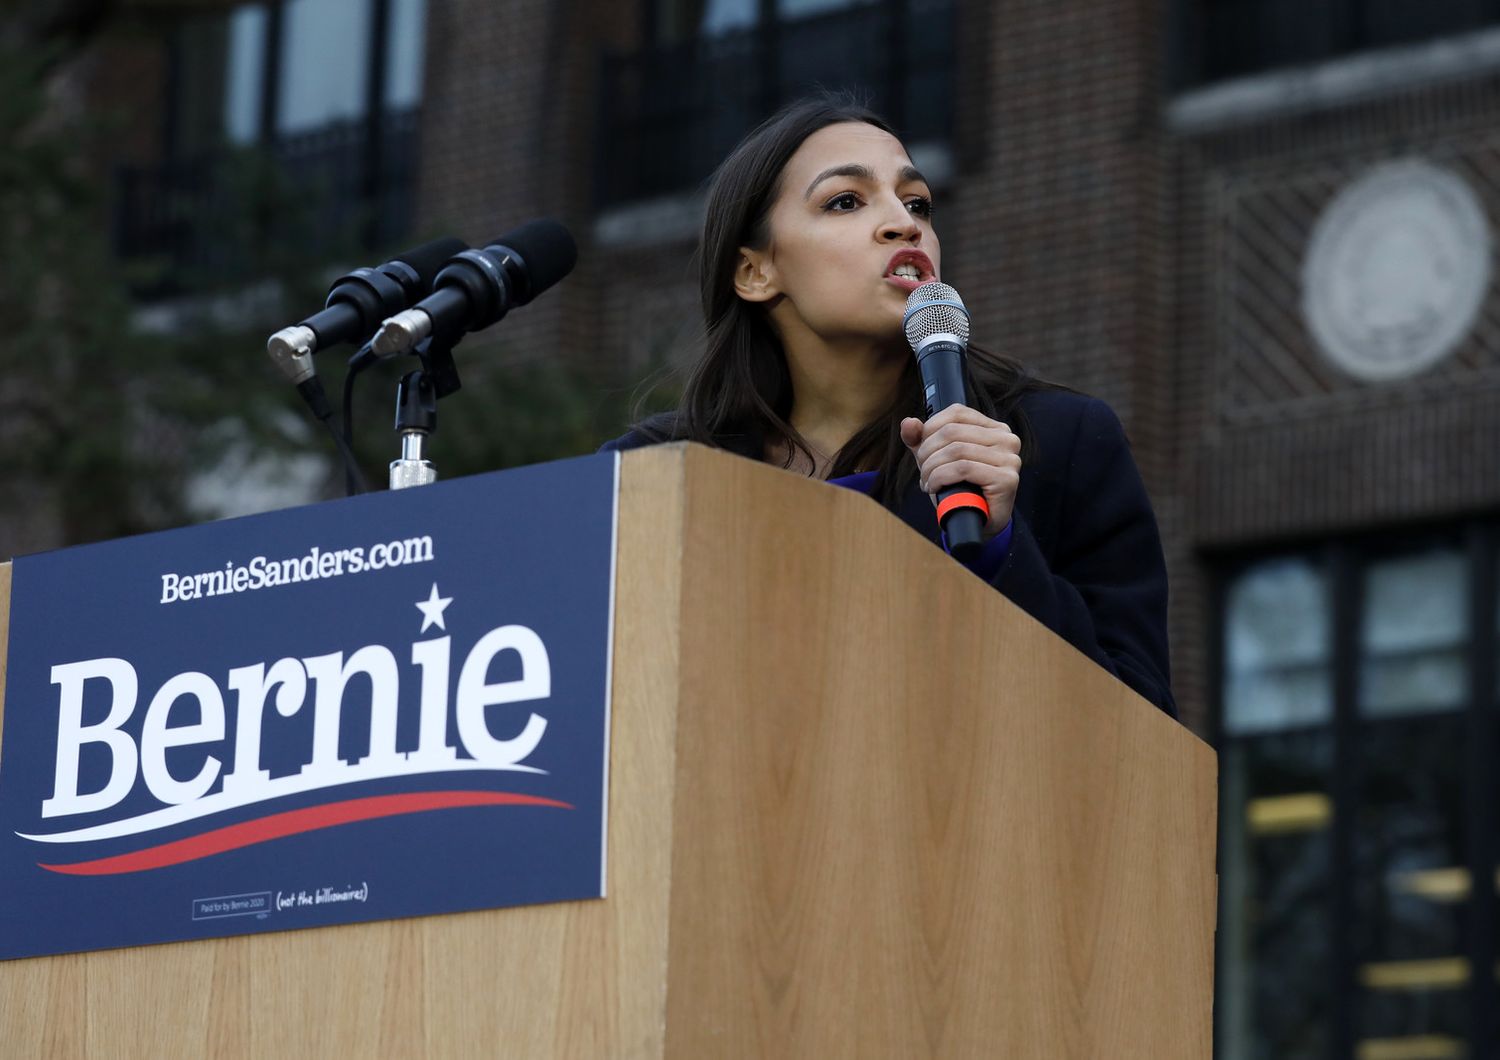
(294, 822)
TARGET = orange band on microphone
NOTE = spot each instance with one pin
(962, 500)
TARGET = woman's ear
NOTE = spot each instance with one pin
(755, 276)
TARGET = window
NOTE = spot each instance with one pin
(335, 123)
(1277, 771)
(724, 16)
(322, 85)
(1357, 738)
(246, 70)
(671, 111)
(1230, 38)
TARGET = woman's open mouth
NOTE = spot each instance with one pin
(909, 269)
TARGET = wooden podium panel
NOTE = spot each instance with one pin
(860, 805)
(910, 820)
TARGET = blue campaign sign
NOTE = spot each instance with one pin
(385, 706)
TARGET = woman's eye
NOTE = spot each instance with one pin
(921, 206)
(842, 202)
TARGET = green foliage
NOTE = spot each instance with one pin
(103, 424)
(65, 391)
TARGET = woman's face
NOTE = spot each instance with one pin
(851, 237)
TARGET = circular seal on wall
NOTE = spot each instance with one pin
(1396, 270)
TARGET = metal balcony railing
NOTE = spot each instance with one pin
(230, 215)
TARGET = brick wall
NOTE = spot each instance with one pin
(1276, 443)
(1289, 444)
(508, 130)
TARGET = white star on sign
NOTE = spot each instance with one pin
(432, 610)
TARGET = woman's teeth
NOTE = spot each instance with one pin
(906, 272)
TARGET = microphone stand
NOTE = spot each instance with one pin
(416, 410)
(416, 419)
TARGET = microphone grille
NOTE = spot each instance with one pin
(935, 309)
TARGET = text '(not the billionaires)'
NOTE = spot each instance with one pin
(264, 573)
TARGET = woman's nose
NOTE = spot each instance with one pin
(900, 228)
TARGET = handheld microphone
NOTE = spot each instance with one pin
(357, 303)
(937, 327)
(477, 287)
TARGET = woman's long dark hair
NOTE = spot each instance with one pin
(738, 395)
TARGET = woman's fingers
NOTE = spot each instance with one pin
(972, 427)
(988, 447)
(961, 444)
(991, 478)
(996, 446)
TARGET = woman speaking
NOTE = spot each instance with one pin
(818, 229)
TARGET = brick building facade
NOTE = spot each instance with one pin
(1130, 219)
(1130, 193)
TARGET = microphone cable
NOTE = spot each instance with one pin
(354, 480)
(316, 399)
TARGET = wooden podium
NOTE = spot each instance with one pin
(860, 805)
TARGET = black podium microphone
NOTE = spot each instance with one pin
(476, 288)
(937, 326)
(357, 303)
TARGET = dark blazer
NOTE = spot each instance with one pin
(1085, 554)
